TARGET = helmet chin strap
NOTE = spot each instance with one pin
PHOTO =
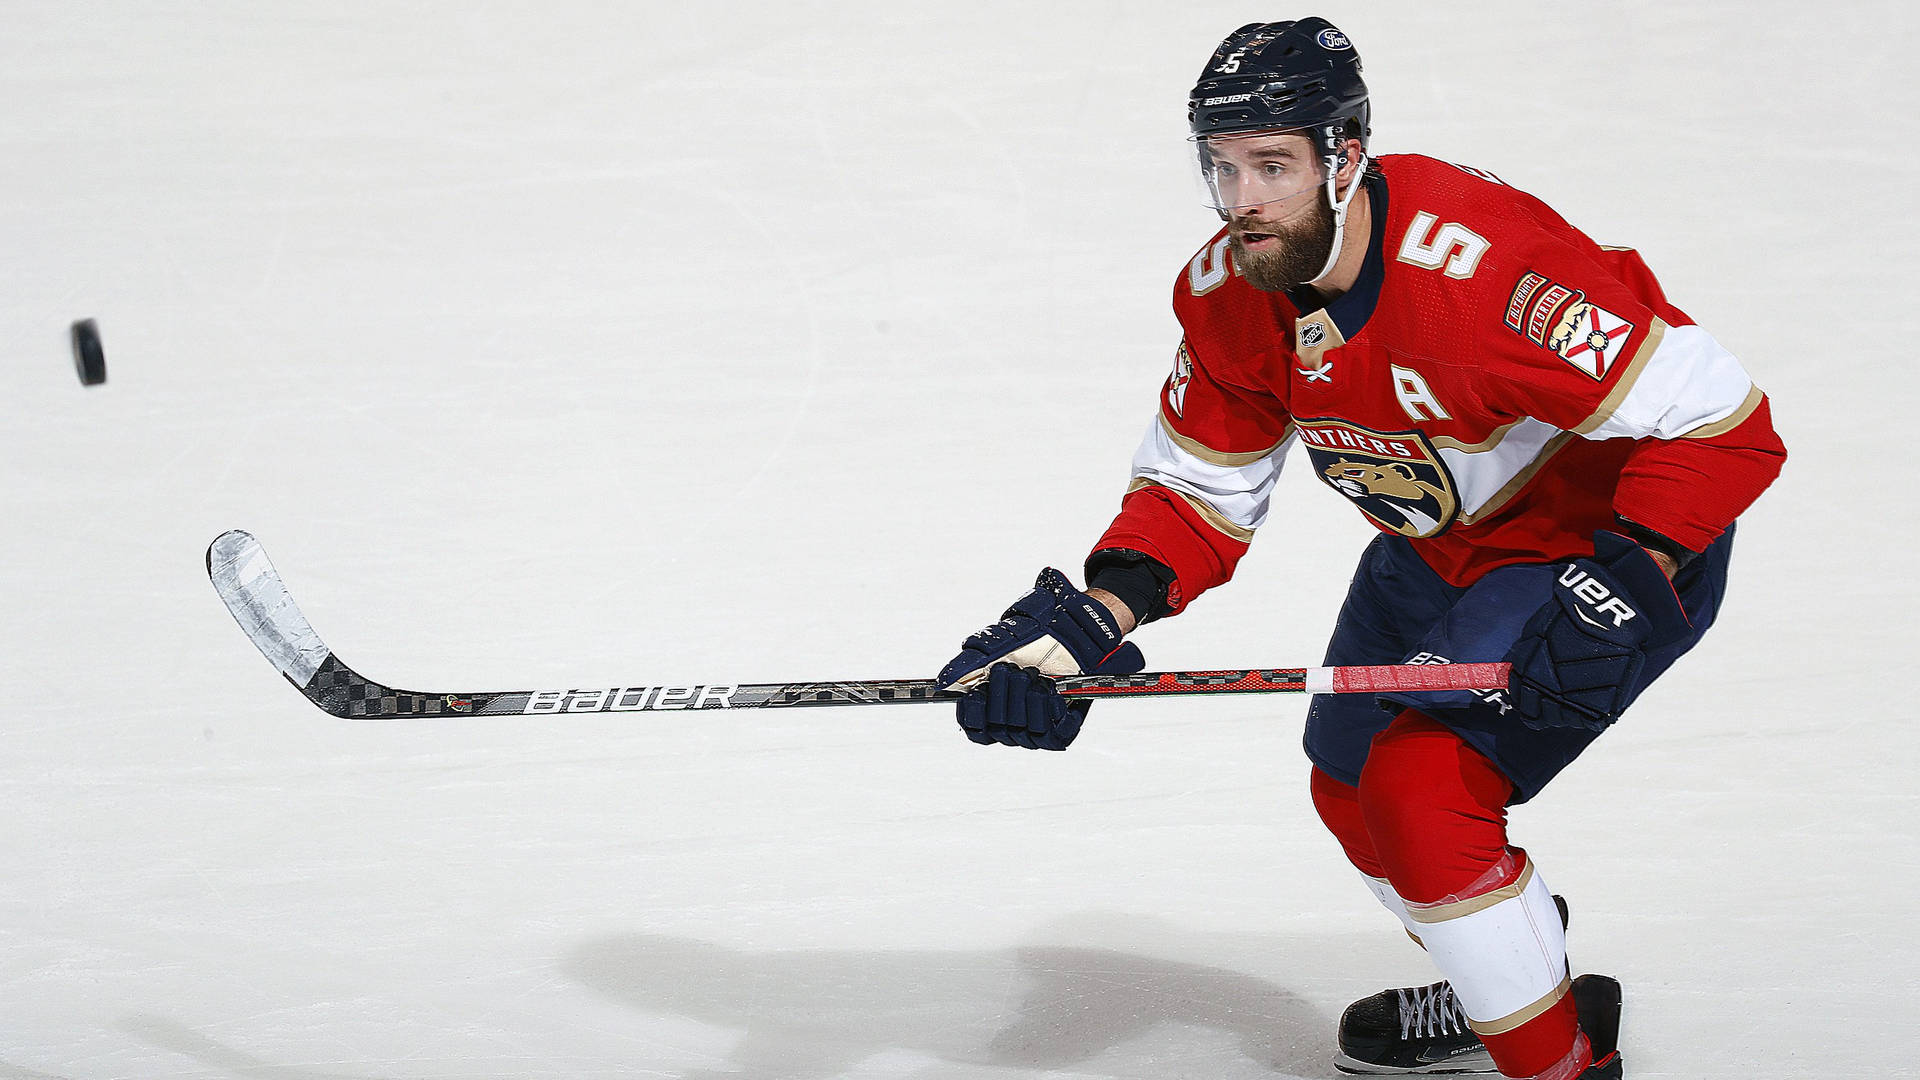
(1340, 205)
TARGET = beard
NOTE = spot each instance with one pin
(1302, 251)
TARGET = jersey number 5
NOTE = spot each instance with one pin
(1452, 248)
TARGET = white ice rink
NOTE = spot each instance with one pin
(570, 343)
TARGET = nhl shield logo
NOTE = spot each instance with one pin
(1395, 478)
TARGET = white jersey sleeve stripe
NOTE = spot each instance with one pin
(1209, 454)
(1689, 382)
(1237, 494)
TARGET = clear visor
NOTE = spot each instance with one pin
(1272, 170)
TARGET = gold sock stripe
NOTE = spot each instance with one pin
(1515, 1019)
(1439, 913)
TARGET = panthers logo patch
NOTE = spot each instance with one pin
(1395, 478)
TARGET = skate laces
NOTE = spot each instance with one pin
(1430, 1011)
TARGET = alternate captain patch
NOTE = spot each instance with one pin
(1562, 321)
(1395, 478)
(1177, 382)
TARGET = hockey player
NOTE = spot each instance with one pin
(1553, 454)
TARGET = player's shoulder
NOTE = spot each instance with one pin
(1482, 262)
(1423, 190)
(1436, 207)
(1209, 268)
(1227, 322)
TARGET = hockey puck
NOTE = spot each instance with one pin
(89, 359)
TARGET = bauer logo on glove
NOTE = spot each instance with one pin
(1606, 606)
(1579, 656)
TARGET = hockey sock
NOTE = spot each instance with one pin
(1339, 807)
(1435, 811)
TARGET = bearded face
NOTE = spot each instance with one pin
(1279, 255)
(1271, 188)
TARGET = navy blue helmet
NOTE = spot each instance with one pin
(1298, 75)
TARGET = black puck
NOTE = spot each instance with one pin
(89, 359)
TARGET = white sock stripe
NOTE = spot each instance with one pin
(1503, 957)
(1382, 891)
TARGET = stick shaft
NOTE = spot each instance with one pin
(260, 603)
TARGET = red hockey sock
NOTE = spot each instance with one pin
(1431, 816)
(1436, 811)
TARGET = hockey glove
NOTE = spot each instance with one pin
(1054, 630)
(1579, 657)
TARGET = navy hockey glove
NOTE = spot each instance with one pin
(1006, 668)
(1579, 657)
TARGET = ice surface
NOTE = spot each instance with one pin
(584, 344)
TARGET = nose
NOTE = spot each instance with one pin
(1248, 213)
(1244, 198)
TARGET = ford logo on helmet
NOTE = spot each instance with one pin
(1333, 40)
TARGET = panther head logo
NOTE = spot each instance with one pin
(1386, 490)
(1397, 478)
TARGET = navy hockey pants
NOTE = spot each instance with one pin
(1399, 611)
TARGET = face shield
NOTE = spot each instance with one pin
(1275, 171)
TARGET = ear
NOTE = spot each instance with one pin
(1349, 163)
(1404, 469)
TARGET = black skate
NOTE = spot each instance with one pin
(1418, 1029)
(1421, 1029)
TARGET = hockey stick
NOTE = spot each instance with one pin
(260, 603)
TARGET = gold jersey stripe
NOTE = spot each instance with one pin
(1200, 506)
(1217, 457)
(1738, 417)
(1656, 332)
(1520, 479)
(1493, 439)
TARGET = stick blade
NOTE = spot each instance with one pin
(254, 594)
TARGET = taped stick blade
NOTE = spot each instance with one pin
(253, 592)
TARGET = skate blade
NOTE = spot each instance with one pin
(1474, 1061)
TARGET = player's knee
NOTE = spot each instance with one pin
(1434, 810)
(1338, 805)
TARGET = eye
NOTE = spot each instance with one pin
(1274, 168)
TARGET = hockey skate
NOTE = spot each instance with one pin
(1421, 1029)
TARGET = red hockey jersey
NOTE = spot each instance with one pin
(1495, 387)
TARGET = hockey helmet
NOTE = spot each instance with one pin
(1301, 75)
